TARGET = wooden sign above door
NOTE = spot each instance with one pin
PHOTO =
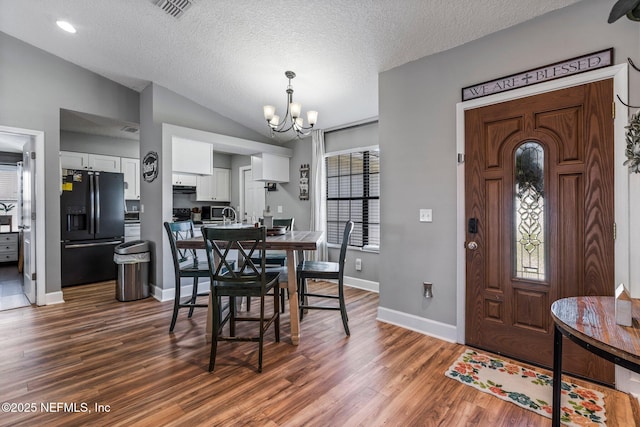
(554, 71)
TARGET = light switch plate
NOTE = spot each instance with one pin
(426, 215)
(279, 209)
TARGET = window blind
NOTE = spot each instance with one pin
(353, 193)
(8, 182)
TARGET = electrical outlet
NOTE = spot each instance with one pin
(358, 264)
(426, 215)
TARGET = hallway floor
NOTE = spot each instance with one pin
(11, 294)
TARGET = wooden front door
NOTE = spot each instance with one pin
(540, 210)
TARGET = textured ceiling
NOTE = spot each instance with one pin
(230, 56)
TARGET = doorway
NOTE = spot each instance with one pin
(28, 145)
(539, 179)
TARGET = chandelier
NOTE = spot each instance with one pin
(292, 118)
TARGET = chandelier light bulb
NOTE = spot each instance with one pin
(296, 108)
(275, 121)
(312, 117)
(269, 111)
(299, 123)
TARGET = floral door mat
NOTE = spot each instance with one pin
(527, 388)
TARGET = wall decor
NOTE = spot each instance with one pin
(304, 182)
(150, 166)
(577, 65)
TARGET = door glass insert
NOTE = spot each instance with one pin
(529, 212)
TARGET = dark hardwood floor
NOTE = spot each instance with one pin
(95, 350)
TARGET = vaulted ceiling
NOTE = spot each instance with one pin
(230, 56)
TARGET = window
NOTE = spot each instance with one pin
(353, 193)
(8, 182)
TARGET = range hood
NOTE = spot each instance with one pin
(184, 189)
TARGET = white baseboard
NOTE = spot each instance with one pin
(163, 295)
(366, 285)
(429, 327)
(53, 298)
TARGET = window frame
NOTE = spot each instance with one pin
(367, 247)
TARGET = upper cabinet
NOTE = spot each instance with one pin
(270, 168)
(73, 160)
(214, 188)
(192, 157)
(97, 162)
(131, 171)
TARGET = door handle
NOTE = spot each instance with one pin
(472, 246)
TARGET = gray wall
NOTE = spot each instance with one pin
(98, 144)
(417, 113)
(34, 86)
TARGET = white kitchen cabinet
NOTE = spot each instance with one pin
(270, 168)
(131, 171)
(215, 187)
(183, 179)
(88, 161)
(99, 162)
(192, 157)
(73, 160)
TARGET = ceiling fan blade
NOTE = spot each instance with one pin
(621, 8)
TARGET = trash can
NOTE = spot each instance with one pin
(133, 260)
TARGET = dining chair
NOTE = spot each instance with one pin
(325, 270)
(277, 260)
(244, 279)
(185, 264)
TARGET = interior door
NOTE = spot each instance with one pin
(27, 192)
(254, 197)
(540, 207)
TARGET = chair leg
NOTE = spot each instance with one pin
(343, 308)
(276, 310)
(302, 284)
(261, 339)
(282, 300)
(232, 316)
(176, 305)
(194, 295)
(214, 330)
(248, 303)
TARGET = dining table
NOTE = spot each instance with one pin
(590, 322)
(294, 242)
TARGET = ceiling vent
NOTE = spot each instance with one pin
(175, 8)
(130, 129)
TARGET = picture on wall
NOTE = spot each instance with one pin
(304, 182)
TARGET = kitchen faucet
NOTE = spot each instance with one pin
(224, 217)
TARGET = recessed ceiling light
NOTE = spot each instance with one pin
(66, 26)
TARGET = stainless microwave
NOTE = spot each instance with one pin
(212, 213)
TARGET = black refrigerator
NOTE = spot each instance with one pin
(92, 224)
